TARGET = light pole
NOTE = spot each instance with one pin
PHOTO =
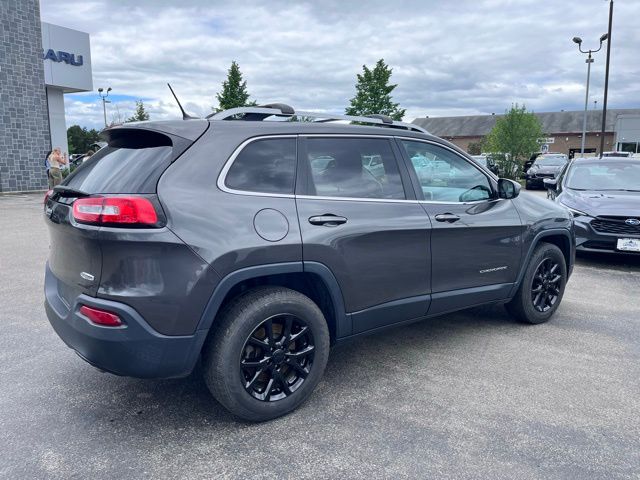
(606, 80)
(104, 102)
(588, 61)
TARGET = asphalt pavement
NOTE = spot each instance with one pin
(468, 395)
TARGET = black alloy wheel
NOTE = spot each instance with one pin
(545, 286)
(277, 357)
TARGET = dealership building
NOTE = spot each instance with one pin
(41, 63)
(563, 130)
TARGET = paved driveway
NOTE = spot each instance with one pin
(470, 395)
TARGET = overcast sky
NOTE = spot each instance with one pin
(453, 57)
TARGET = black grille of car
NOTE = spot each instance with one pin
(545, 175)
(614, 225)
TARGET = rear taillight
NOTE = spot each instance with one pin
(47, 195)
(101, 317)
(115, 210)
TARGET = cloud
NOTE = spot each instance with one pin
(448, 58)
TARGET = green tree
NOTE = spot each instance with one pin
(234, 91)
(141, 113)
(514, 138)
(80, 139)
(476, 148)
(373, 93)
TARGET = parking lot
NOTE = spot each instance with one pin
(468, 395)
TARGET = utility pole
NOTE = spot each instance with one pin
(606, 81)
(104, 103)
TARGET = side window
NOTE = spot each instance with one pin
(264, 166)
(353, 167)
(445, 176)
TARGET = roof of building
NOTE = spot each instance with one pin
(552, 122)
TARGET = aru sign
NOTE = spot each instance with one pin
(68, 58)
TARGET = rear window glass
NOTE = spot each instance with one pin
(130, 164)
(265, 166)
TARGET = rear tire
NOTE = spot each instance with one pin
(528, 186)
(542, 286)
(267, 352)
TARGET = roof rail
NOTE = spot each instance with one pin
(261, 112)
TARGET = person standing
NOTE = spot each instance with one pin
(56, 162)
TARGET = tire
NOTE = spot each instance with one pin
(240, 335)
(522, 306)
(528, 186)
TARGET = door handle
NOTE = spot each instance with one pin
(447, 217)
(328, 219)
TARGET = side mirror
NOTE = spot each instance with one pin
(508, 188)
(550, 183)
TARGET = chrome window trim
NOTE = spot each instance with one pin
(227, 166)
(222, 177)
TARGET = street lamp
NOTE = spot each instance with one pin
(104, 102)
(588, 61)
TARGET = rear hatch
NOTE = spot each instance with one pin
(116, 187)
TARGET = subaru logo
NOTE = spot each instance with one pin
(632, 221)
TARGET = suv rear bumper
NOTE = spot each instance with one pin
(134, 350)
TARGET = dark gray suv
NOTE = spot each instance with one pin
(253, 245)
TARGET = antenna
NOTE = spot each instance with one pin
(185, 115)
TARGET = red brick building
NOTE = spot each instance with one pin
(563, 129)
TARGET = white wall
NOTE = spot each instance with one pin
(57, 124)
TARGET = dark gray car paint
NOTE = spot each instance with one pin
(380, 269)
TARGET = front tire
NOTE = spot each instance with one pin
(542, 286)
(267, 352)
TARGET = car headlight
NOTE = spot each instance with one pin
(574, 212)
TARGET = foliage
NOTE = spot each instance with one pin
(141, 113)
(234, 91)
(373, 93)
(514, 138)
(476, 148)
(80, 139)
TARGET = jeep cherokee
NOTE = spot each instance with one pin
(252, 245)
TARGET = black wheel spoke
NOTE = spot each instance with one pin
(555, 279)
(253, 380)
(268, 389)
(268, 328)
(297, 367)
(286, 334)
(255, 363)
(283, 382)
(299, 334)
(258, 343)
(277, 358)
(302, 353)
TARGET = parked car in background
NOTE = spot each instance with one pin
(547, 165)
(250, 246)
(603, 195)
(488, 162)
(528, 163)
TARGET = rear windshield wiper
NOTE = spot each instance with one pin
(65, 191)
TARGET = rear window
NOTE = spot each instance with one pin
(131, 163)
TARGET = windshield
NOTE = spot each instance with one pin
(551, 161)
(605, 176)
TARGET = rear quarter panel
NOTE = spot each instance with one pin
(217, 225)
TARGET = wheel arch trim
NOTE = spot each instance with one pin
(540, 236)
(343, 321)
